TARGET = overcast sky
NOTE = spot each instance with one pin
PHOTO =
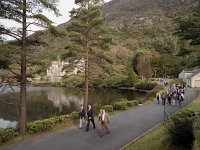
(64, 7)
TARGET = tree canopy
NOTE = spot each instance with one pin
(87, 32)
(189, 26)
(26, 13)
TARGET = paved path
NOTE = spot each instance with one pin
(125, 127)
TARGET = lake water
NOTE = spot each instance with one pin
(45, 102)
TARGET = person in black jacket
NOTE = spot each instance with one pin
(81, 116)
(90, 116)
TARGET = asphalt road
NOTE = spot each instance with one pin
(125, 127)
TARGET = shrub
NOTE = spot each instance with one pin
(75, 115)
(151, 99)
(41, 125)
(123, 100)
(120, 81)
(145, 86)
(78, 81)
(47, 124)
(63, 118)
(96, 107)
(120, 106)
(130, 103)
(108, 108)
(6, 134)
(181, 129)
(135, 102)
(157, 88)
(177, 81)
(37, 126)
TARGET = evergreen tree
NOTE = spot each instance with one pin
(26, 13)
(87, 32)
(189, 26)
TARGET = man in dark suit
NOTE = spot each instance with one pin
(81, 116)
(90, 116)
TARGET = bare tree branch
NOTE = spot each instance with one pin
(6, 103)
(36, 24)
(9, 33)
(13, 72)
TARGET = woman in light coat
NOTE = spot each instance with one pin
(105, 121)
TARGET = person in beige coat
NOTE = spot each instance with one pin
(105, 121)
(158, 97)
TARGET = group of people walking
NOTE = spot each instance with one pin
(87, 117)
(174, 96)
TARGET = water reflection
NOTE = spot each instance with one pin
(50, 101)
(6, 123)
(59, 99)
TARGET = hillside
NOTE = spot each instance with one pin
(145, 12)
(143, 31)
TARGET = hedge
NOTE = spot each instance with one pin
(136, 103)
(145, 86)
(159, 88)
(47, 124)
(6, 134)
(120, 106)
(37, 126)
(75, 115)
(176, 81)
(96, 107)
(108, 108)
(130, 103)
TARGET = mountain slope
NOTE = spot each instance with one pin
(144, 12)
(143, 28)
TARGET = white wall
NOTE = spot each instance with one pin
(195, 81)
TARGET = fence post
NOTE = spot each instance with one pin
(198, 93)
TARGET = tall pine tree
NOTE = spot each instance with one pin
(189, 26)
(86, 31)
(26, 13)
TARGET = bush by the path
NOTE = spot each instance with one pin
(176, 81)
(37, 126)
(136, 103)
(47, 124)
(120, 106)
(108, 108)
(96, 106)
(159, 88)
(6, 134)
(75, 115)
(145, 86)
(181, 129)
(130, 103)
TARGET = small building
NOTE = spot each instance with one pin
(194, 80)
(184, 74)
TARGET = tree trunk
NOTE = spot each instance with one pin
(22, 122)
(85, 103)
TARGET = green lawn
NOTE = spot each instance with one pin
(158, 138)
